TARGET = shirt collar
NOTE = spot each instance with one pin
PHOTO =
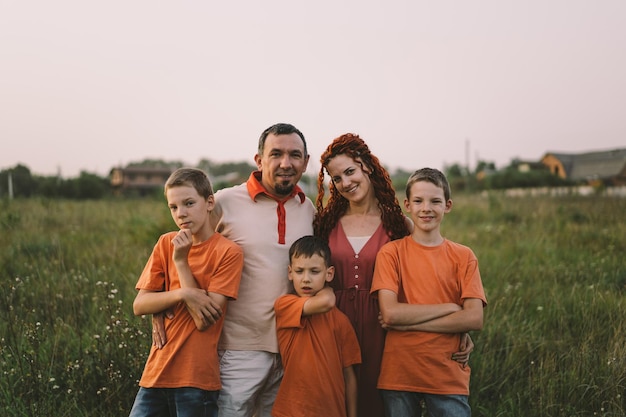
(255, 187)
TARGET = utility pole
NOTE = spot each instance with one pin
(470, 177)
(10, 179)
(467, 157)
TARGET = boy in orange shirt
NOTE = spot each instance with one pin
(317, 343)
(430, 292)
(194, 263)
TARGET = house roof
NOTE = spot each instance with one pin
(152, 170)
(593, 165)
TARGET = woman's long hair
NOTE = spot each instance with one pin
(392, 217)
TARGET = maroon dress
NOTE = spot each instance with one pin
(352, 282)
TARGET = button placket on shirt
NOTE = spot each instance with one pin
(356, 275)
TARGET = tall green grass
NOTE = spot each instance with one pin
(553, 344)
(554, 340)
(70, 345)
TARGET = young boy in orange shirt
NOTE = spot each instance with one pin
(317, 343)
(430, 292)
(193, 263)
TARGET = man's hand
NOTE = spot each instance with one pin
(159, 339)
(465, 348)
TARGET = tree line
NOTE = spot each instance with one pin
(19, 182)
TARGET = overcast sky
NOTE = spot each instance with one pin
(89, 85)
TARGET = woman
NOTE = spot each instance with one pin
(362, 214)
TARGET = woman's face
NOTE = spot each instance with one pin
(350, 177)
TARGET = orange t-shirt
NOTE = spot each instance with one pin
(314, 349)
(448, 273)
(189, 358)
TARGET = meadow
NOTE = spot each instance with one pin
(554, 270)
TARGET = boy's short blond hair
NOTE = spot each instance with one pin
(431, 175)
(194, 177)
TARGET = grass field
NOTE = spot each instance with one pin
(553, 344)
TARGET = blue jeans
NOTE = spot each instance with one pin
(409, 404)
(175, 402)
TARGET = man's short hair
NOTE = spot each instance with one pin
(280, 129)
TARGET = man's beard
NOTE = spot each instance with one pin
(284, 189)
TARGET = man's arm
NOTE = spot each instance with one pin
(321, 302)
(395, 313)
(351, 391)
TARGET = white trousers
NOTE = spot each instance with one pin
(250, 381)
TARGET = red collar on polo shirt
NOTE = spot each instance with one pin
(255, 187)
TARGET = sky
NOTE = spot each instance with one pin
(92, 85)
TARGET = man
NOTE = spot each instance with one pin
(264, 215)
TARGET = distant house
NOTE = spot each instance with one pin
(516, 164)
(600, 167)
(527, 166)
(139, 180)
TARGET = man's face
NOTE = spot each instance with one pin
(282, 164)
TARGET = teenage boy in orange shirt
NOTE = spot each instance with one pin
(192, 264)
(430, 292)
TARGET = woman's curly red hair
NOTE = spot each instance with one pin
(393, 219)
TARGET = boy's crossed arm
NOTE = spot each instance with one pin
(397, 315)
(436, 318)
(322, 302)
(205, 308)
(154, 302)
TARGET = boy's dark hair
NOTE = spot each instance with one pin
(431, 175)
(190, 176)
(280, 129)
(308, 246)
